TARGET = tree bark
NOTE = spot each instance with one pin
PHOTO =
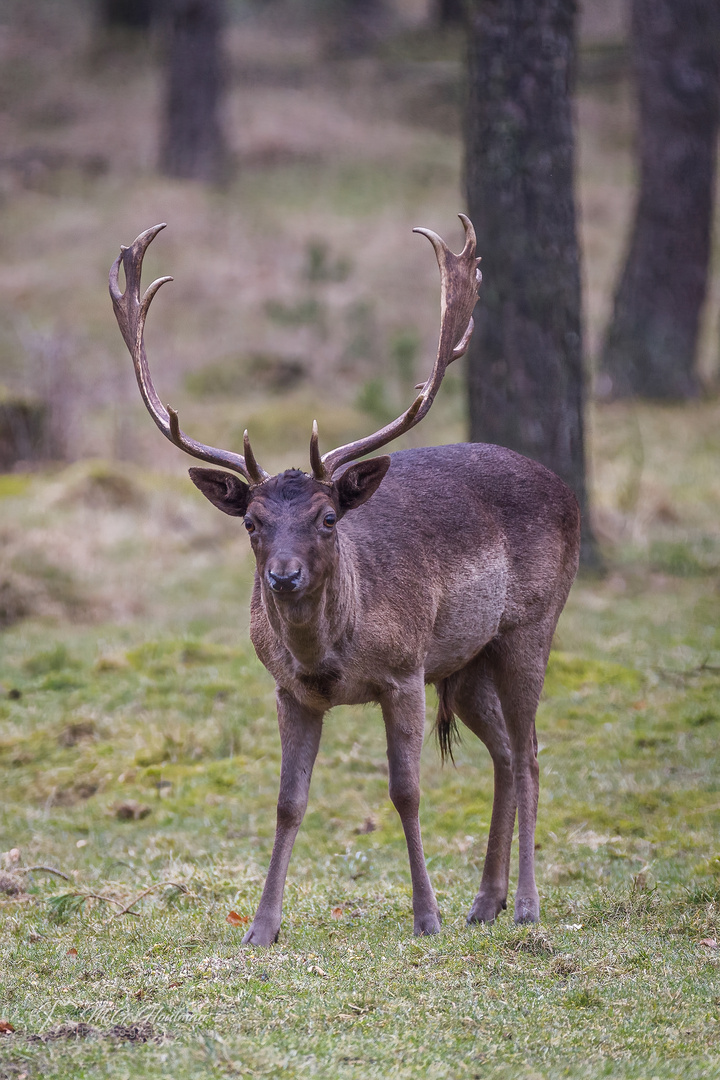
(193, 146)
(525, 371)
(651, 343)
(357, 26)
(450, 12)
(133, 14)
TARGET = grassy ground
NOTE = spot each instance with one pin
(138, 751)
(138, 748)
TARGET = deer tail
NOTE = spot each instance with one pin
(446, 729)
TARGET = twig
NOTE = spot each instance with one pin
(105, 900)
(157, 885)
(45, 869)
(687, 673)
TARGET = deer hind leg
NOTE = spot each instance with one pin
(404, 716)
(475, 699)
(519, 661)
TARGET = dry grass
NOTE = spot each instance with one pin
(126, 678)
(343, 158)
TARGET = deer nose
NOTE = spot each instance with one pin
(280, 583)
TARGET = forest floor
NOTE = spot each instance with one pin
(139, 755)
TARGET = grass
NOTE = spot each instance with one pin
(142, 751)
(138, 749)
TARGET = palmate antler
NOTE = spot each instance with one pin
(459, 281)
(131, 312)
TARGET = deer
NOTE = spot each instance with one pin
(447, 565)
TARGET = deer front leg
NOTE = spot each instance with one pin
(300, 731)
(404, 716)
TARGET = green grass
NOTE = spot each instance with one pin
(615, 981)
(138, 745)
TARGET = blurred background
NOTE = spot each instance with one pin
(291, 147)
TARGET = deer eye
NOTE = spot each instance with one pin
(329, 520)
(249, 525)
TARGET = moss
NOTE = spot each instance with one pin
(567, 674)
(13, 484)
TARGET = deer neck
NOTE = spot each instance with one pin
(315, 628)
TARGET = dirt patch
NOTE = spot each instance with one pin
(534, 942)
(131, 810)
(69, 796)
(11, 885)
(139, 1033)
(75, 733)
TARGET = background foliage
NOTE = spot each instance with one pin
(137, 739)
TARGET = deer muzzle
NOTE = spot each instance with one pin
(286, 582)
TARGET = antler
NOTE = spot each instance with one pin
(131, 312)
(459, 281)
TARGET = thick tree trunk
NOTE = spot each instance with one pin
(133, 14)
(357, 26)
(651, 342)
(450, 12)
(193, 147)
(525, 371)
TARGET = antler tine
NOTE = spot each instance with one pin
(315, 460)
(257, 475)
(131, 311)
(459, 281)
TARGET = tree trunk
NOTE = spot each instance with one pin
(193, 147)
(132, 14)
(357, 26)
(651, 342)
(526, 380)
(450, 12)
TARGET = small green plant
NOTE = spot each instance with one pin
(50, 661)
(372, 400)
(308, 311)
(321, 266)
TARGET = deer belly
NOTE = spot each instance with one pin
(468, 617)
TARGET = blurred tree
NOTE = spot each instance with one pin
(192, 144)
(356, 26)
(525, 371)
(450, 12)
(651, 342)
(133, 14)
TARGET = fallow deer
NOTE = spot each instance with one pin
(447, 565)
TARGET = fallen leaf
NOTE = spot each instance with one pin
(315, 969)
(709, 943)
(337, 913)
(6, 1027)
(237, 920)
(71, 951)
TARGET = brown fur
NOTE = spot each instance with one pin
(452, 569)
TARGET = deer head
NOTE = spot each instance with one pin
(291, 517)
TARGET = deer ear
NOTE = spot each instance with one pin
(223, 490)
(360, 481)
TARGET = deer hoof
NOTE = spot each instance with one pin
(527, 909)
(486, 909)
(261, 936)
(427, 924)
